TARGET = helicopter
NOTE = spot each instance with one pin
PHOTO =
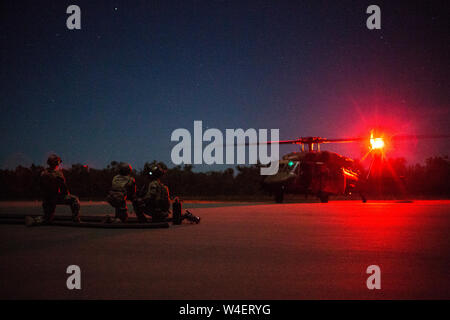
(324, 173)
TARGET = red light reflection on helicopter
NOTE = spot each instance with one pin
(350, 174)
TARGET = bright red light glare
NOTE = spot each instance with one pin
(376, 143)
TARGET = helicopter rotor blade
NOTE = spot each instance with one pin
(344, 140)
(315, 140)
(319, 140)
(390, 138)
(293, 141)
(422, 136)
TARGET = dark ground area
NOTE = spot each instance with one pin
(267, 251)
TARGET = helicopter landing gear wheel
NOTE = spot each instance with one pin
(279, 195)
(363, 198)
(323, 197)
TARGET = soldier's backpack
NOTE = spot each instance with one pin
(50, 183)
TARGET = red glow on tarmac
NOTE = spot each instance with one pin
(267, 251)
(377, 226)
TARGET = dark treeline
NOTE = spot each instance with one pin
(396, 178)
(431, 179)
(89, 183)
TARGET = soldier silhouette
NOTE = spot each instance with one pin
(55, 191)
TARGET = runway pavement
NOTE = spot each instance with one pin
(264, 251)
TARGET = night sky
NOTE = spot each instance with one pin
(137, 70)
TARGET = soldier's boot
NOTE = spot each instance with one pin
(76, 216)
(29, 221)
(75, 206)
(121, 214)
(49, 212)
(191, 218)
(33, 221)
(139, 207)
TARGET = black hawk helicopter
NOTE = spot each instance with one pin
(325, 173)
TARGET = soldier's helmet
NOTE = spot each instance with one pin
(53, 160)
(125, 169)
(156, 172)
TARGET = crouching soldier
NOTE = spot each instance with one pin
(156, 201)
(123, 189)
(55, 191)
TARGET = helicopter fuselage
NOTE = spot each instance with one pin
(319, 173)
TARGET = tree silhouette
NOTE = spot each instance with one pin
(396, 179)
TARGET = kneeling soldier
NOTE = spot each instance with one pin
(123, 189)
(156, 202)
(55, 191)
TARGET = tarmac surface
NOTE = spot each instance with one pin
(238, 251)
